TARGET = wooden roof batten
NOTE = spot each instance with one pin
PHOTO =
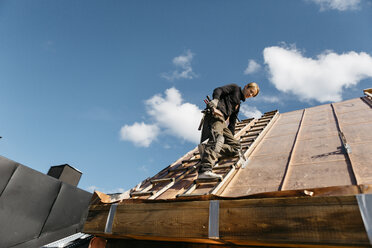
(303, 168)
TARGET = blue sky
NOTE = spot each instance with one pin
(115, 88)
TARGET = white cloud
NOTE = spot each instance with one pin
(322, 79)
(170, 116)
(174, 116)
(341, 5)
(266, 98)
(183, 67)
(143, 169)
(252, 67)
(250, 112)
(110, 191)
(140, 134)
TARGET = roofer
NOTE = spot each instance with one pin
(219, 126)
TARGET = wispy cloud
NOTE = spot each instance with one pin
(143, 169)
(250, 111)
(341, 5)
(107, 191)
(170, 115)
(140, 134)
(49, 46)
(252, 67)
(183, 68)
(267, 98)
(98, 114)
(322, 78)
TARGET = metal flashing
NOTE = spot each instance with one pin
(110, 218)
(365, 207)
(213, 226)
(246, 162)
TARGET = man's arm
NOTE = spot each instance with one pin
(224, 90)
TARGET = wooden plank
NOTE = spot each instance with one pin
(317, 150)
(96, 219)
(176, 219)
(266, 167)
(355, 117)
(346, 148)
(283, 129)
(289, 117)
(361, 156)
(326, 220)
(358, 132)
(352, 105)
(314, 175)
(283, 184)
(355, 120)
(179, 187)
(262, 174)
(203, 189)
(320, 130)
(247, 153)
(275, 145)
(292, 221)
(116, 241)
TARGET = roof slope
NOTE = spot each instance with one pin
(322, 146)
(303, 168)
(303, 150)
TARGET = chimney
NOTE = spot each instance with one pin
(65, 173)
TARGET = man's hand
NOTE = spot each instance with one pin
(216, 112)
(213, 104)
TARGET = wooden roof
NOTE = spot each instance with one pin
(306, 183)
(322, 146)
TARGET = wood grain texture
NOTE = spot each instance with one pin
(351, 105)
(361, 157)
(288, 222)
(321, 174)
(96, 219)
(161, 243)
(327, 220)
(177, 219)
(262, 174)
(355, 119)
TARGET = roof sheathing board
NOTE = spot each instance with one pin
(266, 167)
(313, 159)
(301, 150)
(355, 119)
(318, 159)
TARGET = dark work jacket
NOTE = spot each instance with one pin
(229, 97)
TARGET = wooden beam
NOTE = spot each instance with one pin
(292, 221)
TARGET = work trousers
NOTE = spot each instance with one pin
(221, 144)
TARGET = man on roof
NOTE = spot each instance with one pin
(219, 126)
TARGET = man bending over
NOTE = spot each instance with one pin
(219, 126)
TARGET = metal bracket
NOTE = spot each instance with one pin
(365, 207)
(344, 142)
(110, 218)
(213, 225)
(246, 162)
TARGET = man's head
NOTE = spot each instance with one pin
(251, 90)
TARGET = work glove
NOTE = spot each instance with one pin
(213, 104)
